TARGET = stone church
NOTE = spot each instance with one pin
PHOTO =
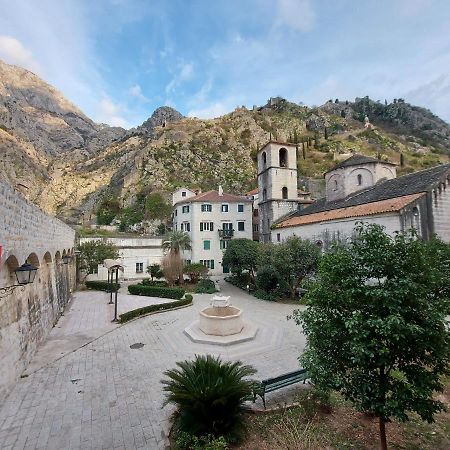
(359, 188)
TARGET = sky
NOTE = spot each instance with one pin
(118, 60)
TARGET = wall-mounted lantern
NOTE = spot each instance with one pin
(25, 274)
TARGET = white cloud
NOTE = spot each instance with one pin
(185, 73)
(209, 112)
(12, 51)
(298, 15)
(110, 113)
(136, 92)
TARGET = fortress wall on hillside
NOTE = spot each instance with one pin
(28, 313)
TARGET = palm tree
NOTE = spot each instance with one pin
(174, 244)
(209, 395)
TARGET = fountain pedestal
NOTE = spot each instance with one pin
(221, 324)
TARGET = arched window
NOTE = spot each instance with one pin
(264, 194)
(264, 158)
(284, 192)
(335, 187)
(283, 157)
(360, 179)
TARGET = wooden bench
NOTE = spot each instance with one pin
(273, 384)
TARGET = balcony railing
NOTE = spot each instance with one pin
(226, 234)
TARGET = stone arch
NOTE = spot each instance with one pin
(284, 193)
(57, 257)
(33, 260)
(283, 157)
(47, 258)
(12, 263)
(264, 158)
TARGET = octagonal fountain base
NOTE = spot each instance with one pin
(195, 333)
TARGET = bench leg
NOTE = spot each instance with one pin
(264, 400)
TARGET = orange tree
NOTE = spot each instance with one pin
(375, 324)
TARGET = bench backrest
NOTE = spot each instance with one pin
(286, 376)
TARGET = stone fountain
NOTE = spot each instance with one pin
(221, 324)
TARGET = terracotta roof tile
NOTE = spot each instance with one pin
(367, 209)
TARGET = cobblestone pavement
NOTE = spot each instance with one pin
(105, 395)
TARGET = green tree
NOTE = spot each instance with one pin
(156, 207)
(242, 254)
(294, 260)
(93, 253)
(209, 395)
(376, 325)
(174, 244)
(195, 271)
(108, 209)
(155, 271)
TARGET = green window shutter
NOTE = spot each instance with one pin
(212, 264)
(206, 245)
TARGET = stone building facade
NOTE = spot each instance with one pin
(363, 189)
(136, 253)
(28, 313)
(211, 219)
(277, 184)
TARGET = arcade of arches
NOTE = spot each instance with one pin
(28, 313)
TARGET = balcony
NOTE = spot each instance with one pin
(226, 234)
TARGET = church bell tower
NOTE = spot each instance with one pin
(277, 184)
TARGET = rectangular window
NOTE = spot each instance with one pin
(139, 267)
(206, 207)
(278, 237)
(225, 207)
(186, 226)
(223, 244)
(206, 226)
(206, 245)
(209, 263)
(185, 209)
(175, 213)
(240, 208)
(187, 261)
(241, 226)
(183, 194)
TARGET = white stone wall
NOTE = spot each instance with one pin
(341, 229)
(196, 215)
(441, 210)
(182, 194)
(28, 313)
(132, 250)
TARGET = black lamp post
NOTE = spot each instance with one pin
(25, 274)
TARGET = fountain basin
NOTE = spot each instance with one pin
(221, 321)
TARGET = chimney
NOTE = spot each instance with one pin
(220, 191)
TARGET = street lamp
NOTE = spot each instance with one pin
(25, 274)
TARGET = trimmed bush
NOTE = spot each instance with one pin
(125, 317)
(156, 291)
(101, 285)
(148, 282)
(205, 286)
(188, 297)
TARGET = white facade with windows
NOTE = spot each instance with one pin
(136, 254)
(211, 219)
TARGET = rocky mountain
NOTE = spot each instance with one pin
(77, 167)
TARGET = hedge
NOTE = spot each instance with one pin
(156, 291)
(125, 317)
(102, 285)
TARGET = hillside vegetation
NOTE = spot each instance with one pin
(73, 167)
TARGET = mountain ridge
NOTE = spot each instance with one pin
(72, 164)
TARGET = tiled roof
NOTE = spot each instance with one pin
(356, 160)
(412, 183)
(252, 192)
(214, 197)
(368, 209)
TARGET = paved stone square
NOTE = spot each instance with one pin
(90, 390)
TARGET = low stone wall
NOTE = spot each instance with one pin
(28, 313)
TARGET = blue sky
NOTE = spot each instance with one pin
(118, 60)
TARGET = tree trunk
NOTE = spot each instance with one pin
(383, 442)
